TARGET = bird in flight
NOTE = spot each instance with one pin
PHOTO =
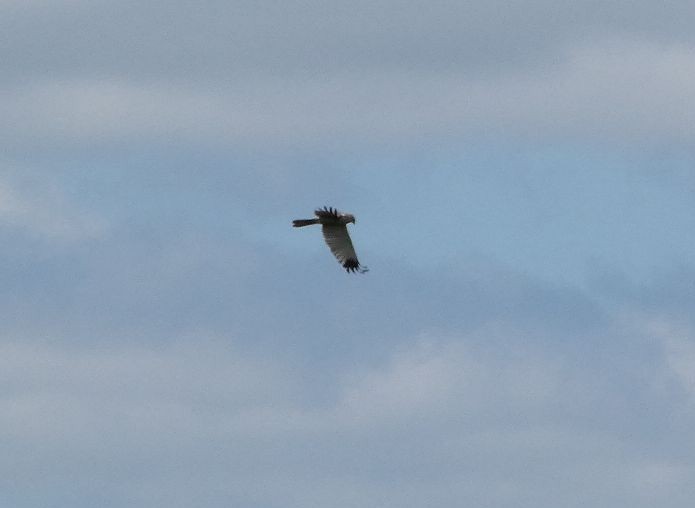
(334, 227)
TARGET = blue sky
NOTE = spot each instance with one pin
(522, 177)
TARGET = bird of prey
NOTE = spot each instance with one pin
(334, 227)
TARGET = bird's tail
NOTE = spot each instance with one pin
(304, 222)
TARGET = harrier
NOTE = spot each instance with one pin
(334, 227)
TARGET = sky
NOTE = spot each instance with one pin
(523, 178)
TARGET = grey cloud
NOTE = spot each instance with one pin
(439, 420)
(590, 96)
(274, 76)
(220, 38)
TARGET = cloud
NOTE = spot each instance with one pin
(589, 95)
(678, 342)
(40, 208)
(175, 40)
(86, 393)
(122, 408)
(432, 380)
(168, 340)
(436, 420)
(274, 79)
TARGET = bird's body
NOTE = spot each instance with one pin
(334, 227)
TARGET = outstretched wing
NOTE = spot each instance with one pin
(338, 240)
(327, 212)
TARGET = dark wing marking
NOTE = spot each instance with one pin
(327, 212)
(338, 240)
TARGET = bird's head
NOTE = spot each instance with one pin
(348, 218)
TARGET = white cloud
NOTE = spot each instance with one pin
(653, 477)
(678, 340)
(440, 379)
(41, 209)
